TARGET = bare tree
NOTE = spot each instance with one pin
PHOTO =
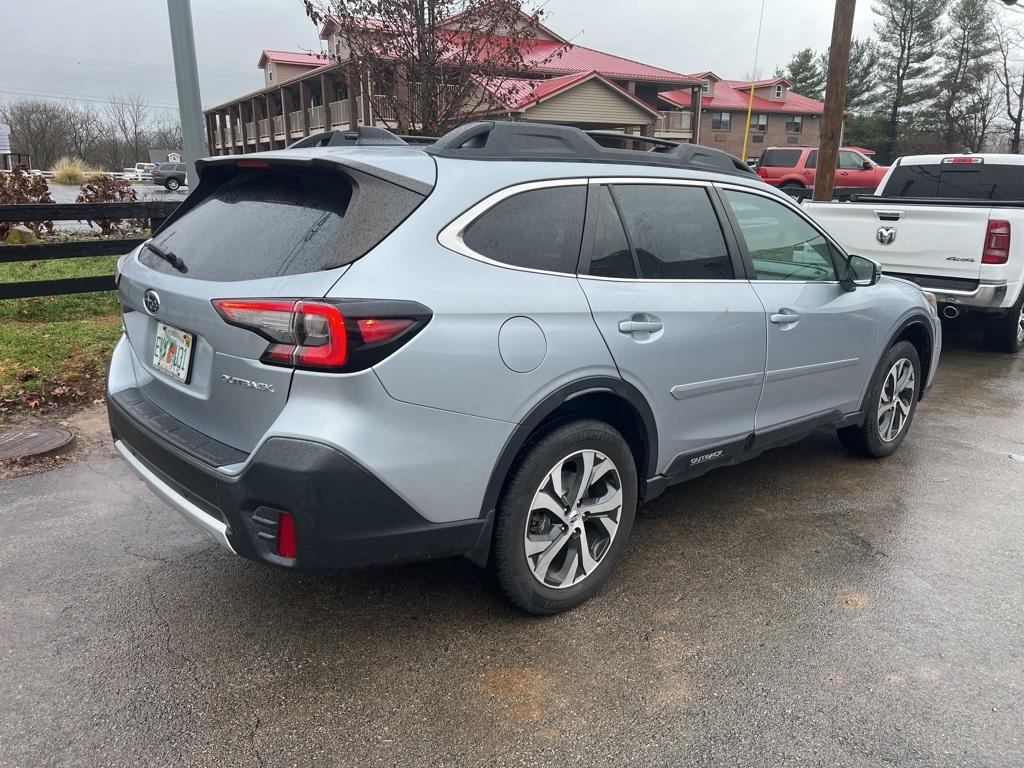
(39, 128)
(433, 63)
(128, 118)
(166, 134)
(85, 128)
(1010, 75)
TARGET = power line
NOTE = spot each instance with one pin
(68, 97)
(124, 64)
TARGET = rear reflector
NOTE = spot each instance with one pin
(373, 330)
(287, 546)
(997, 243)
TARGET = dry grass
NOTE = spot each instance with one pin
(71, 170)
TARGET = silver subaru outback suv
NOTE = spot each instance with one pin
(358, 351)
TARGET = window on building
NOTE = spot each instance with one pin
(539, 229)
(674, 232)
(782, 245)
(759, 123)
(794, 124)
(780, 91)
(270, 71)
(721, 121)
(706, 85)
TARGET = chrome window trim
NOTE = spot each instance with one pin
(786, 203)
(451, 237)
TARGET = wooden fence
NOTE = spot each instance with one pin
(154, 212)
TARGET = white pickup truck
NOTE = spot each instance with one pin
(952, 224)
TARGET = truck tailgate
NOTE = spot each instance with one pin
(910, 239)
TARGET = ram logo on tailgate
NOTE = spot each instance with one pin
(886, 235)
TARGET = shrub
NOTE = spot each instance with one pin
(18, 187)
(107, 189)
(71, 170)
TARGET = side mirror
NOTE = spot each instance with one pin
(861, 272)
(868, 165)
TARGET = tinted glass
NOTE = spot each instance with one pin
(168, 167)
(983, 182)
(781, 158)
(812, 159)
(539, 229)
(610, 255)
(674, 231)
(257, 225)
(782, 245)
(851, 161)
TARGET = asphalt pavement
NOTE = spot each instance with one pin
(806, 608)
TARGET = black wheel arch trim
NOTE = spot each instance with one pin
(552, 402)
(926, 365)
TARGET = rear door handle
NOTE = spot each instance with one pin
(785, 317)
(640, 326)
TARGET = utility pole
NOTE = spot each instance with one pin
(835, 99)
(186, 75)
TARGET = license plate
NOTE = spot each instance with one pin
(172, 352)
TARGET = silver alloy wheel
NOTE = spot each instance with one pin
(1020, 326)
(896, 400)
(573, 519)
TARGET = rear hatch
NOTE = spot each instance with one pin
(284, 225)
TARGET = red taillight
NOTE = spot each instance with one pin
(762, 172)
(252, 164)
(373, 330)
(287, 546)
(997, 243)
(308, 334)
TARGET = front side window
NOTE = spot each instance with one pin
(851, 161)
(674, 232)
(759, 123)
(721, 121)
(795, 124)
(538, 229)
(782, 245)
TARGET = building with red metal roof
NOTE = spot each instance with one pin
(561, 82)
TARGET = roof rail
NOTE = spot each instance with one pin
(500, 140)
(365, 136)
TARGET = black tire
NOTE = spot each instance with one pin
(509, 564)
(867, 439)
(793, 189)
(1005, 333)
(172, 184)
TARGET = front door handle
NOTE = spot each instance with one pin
(785, 317)
(640, 326)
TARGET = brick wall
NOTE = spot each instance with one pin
(731, 141)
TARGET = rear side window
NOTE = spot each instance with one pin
(610, 255)
(259, 224)
(674, 232)
(780, 158)
(981, 182)
(538, 229)
(168, 167)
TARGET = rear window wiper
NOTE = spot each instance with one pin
(169, 256)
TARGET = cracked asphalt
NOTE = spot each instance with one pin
(804, 609)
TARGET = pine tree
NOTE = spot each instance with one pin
(908, 34)
(807, 74)
(862, 92)
(966, 65)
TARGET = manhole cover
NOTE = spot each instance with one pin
(21, 442)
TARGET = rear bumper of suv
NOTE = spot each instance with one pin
(344, 516)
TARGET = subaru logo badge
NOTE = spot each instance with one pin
(151, 299)
(886, 235)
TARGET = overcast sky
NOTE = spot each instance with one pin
(105, 47)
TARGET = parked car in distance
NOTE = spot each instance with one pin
(794, 170)
(139, 172)
(947, 223)
(343, 355)
(170, 175)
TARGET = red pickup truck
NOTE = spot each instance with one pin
(794, 170)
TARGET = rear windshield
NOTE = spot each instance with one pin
(780, 158)
(261, 224)
(979, 182)
(168, 167)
